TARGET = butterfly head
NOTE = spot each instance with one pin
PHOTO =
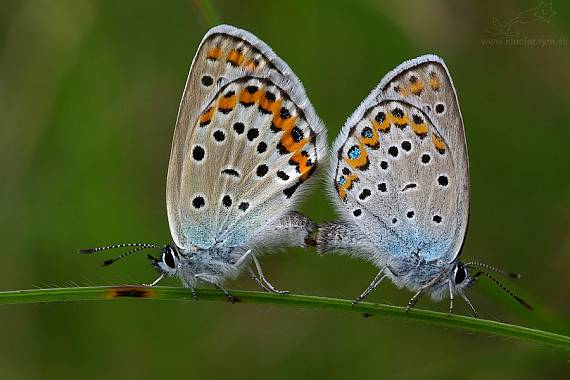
(457, 278)
(167, 264)
(194, 264)
(190, 265)
(169, 260)
(461, 277)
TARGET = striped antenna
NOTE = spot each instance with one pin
(98, 249)
(478, 265)
(520, 300)
(123, 255)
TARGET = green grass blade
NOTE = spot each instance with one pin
(292, 300)
(207, 12)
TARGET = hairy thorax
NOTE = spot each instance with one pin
(413, 272)
(213, 265)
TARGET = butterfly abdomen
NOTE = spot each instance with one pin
(344, 238)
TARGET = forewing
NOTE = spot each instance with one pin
(394, 179)
(426, 81)
(244, 142)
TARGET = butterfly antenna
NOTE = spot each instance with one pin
(520, 300)
(123, 255)
(139, 247)
(98, 249)
(478, 265)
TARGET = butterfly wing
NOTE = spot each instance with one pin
(426, 80)
(394, 179)
(246, 139)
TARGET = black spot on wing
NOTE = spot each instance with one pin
(261, 170)
(239, 128)
(219, 135)
(365, 193)
(281, 174)
(410, 186)
(261, 147)
(198, 202)
(252, 134)
(198, 153)
(231, 172)
(207, 80)
(291, 190)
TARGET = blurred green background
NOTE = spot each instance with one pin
(89, 92)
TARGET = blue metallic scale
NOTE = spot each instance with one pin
(354, 153)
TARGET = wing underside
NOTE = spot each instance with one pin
(402, 168)
(246, 140)
(394, 179)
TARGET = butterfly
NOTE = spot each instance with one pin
(400, 180)
(246, 141)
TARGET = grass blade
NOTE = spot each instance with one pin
(460, 322)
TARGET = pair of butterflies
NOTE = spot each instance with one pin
(247, 140)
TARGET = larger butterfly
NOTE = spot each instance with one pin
(401, 183)
(246, 141)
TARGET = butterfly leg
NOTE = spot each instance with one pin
(373, 285)
(414, 299)
(202, 277)
(194, 294)
(155, 281)
(420, 292)
(231, 298)
(257, 280)
(264, 280)
(243, 258)
(451, 291)
(475, 314)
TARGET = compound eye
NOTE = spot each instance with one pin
(168, 259)
(460, 274)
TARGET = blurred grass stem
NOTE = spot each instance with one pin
(365, 309)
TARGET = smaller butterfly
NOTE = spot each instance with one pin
(246, 141)
(401, 184)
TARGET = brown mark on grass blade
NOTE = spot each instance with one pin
(130, 291)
